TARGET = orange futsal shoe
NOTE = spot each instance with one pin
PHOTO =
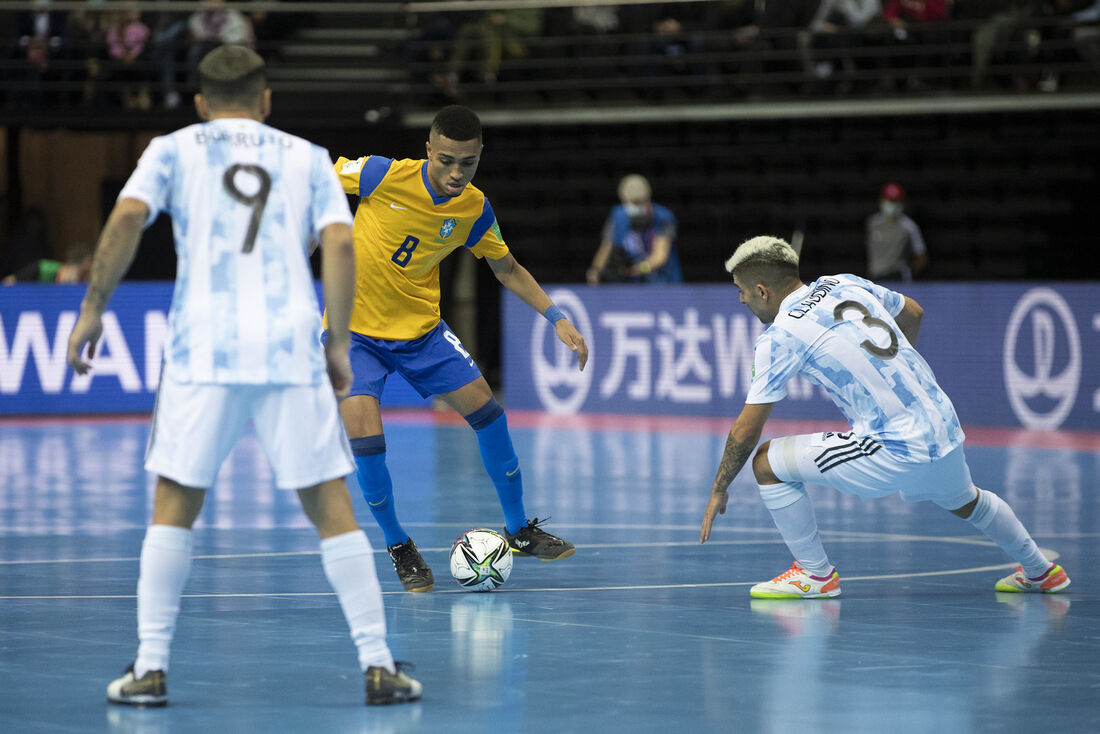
(795, 583)
(1051, 582)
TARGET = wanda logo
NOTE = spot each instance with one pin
(1042, 359)
(560, 385)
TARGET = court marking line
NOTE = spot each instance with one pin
(639, 587)
(1052, 555)
(861, 538)
(841, 536)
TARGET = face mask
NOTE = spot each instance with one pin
(890, 208)
(638, 214)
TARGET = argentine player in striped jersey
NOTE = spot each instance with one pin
(855, 339)
(411, 215)
(246, 200)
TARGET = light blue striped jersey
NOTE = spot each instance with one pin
(246, 200)
(839, 332)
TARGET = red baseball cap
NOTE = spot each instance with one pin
(892, 192)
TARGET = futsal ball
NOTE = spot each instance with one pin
(481, 560)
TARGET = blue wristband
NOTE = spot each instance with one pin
(554, 314)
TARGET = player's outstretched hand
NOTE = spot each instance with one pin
(339, 367)
(716, 505)
(88, 329)
(572, 338)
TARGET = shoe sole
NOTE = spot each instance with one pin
(1010, 589)
(780, 595)
(139, 701)
(525, 554)
(390, 700)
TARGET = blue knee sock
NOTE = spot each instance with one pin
(374, 480)
(500, 460)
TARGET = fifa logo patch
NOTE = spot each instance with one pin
(447, 228)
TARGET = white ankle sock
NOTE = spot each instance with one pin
(349, 567)
(165, 566)
(798, 526)
(995, 518)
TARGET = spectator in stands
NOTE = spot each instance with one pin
(639, 239)
(1061, 45)
(211, 27)
(126, 40)
(736, 19)
(895, 247)
(75, 269)
(429, 57)
(581, 35)
(483, 46)
(88, 30)
(838, 27)
(916, 23)
(671, 47)
(165, 48)
(1086, 34)
(271, 26)
(999, 22)
(40, 42)
(776, 34)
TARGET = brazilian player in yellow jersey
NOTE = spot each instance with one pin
(411, 215)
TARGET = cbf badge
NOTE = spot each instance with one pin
(447, 228)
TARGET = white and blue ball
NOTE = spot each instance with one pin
(481, 560)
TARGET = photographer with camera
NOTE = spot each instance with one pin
(639, 240)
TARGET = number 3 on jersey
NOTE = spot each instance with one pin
(887, 352)
(404, 253)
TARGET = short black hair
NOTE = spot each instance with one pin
(232, 75)
(457, 123)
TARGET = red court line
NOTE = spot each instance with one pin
(990, 436)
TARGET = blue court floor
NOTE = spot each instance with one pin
(643, 630)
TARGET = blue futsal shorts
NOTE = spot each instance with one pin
(433, 364)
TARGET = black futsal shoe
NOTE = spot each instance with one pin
(410, 566)
(531, 540)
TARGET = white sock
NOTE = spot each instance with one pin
(798, 526)
(349, 566)
(995, 518)
(165, 566)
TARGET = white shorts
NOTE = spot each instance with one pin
(861, 466)
(195, 427)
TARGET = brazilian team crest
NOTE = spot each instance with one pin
(447, 228)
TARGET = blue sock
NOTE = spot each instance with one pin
(374, 480)
(500, 460)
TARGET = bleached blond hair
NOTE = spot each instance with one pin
(634, 187)
(763, 250)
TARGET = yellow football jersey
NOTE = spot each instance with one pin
(402, 232)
